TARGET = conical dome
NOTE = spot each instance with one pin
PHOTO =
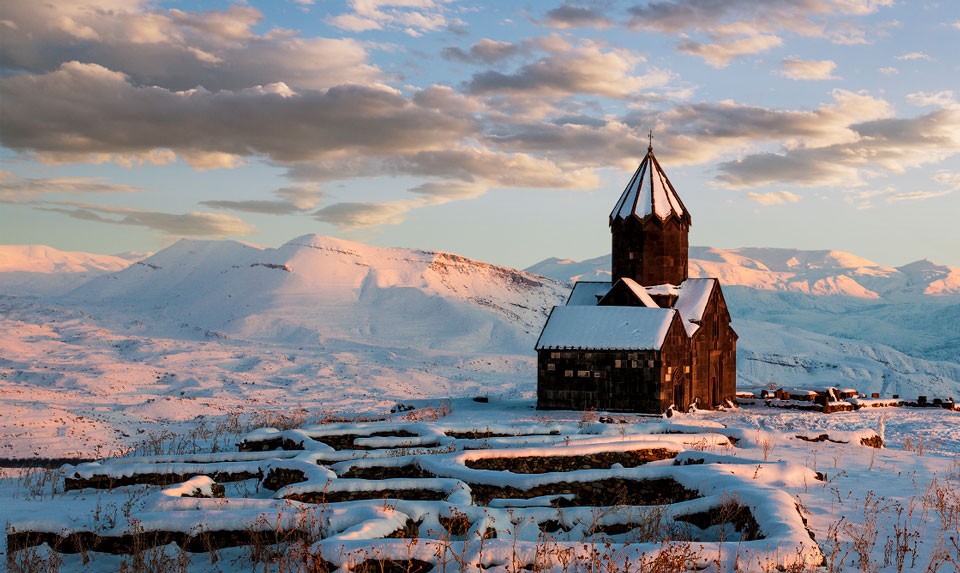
(649, 192)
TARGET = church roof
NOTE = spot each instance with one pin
(692, 297)
(649, 193)
(606, 328)
(692, 302)
(636, 290)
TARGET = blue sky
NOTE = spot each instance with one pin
(503, 131)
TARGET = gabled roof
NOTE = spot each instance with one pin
(606, 328)
(649, 193)
(587, 293)
(692, 299)
(634, 291)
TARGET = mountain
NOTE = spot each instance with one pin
(315, 289)
(792, 270)
(42, 270)
(202, 328)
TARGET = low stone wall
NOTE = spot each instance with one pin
(546, 464)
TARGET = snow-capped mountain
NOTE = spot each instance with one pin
(203, 327)
(42, 270)
(315, 289)
(793, 270)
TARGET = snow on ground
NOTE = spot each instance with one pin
(182, 352)
(867, 509)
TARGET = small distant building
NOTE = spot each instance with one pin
(650, 338)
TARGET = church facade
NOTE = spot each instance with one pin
(652, 337)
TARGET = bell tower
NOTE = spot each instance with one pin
(650, 228)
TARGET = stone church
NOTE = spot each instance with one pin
(650, 338)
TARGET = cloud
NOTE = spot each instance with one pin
(944, 98)
(889, 71)
(572, 16)
(16, 189)
(582, 69)
(485, 51)
(864, 199)
(891, 145)
(797, 69)
(414, 17)
(85, 110)
(358, 215)
(948, 178)
(912, 56)
(774, 198)
(292, 200)
(214, 225)
(721, 51)
(730, 29)
(175, 49)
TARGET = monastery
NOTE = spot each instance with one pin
(651, 338)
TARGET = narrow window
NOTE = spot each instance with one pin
(686, 370)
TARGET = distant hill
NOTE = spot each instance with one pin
(793, 270)
(42, 270)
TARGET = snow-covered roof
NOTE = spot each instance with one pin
(648, 193)
(637, 290)
(587, 293)
(692, 302)
(606, 328)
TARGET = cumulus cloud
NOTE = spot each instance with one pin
(86, 109)
(585, 68)
(485, 51)
(944, 98)
(573, 16)
(723, 50)
(774, 197)
(292, 200)
(176, 49)
(797, 69)
(213, 225)
(414, 17)
(733, 28)
(891, 144)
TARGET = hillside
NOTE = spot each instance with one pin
(204, 328)
(315, 290)
(42, 270)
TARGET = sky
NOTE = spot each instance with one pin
(502, 131)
